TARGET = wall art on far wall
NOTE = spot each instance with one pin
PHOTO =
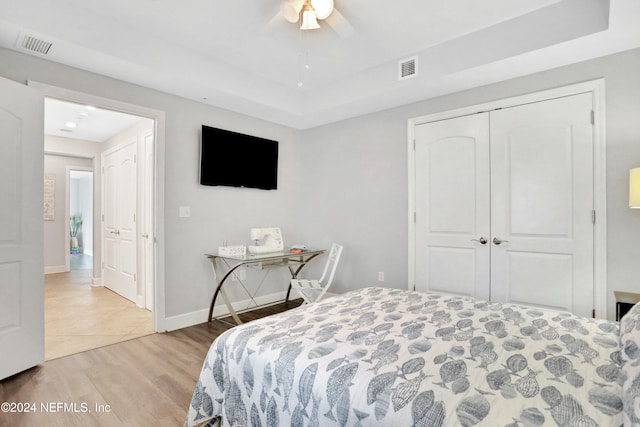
(49, 196)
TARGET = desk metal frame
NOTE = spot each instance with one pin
(294, 262)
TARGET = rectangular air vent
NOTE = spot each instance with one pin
(408, 68)
(36, 45)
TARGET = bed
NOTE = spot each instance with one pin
(388, 357)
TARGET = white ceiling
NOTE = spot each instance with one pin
(92, 124)
(241, 55)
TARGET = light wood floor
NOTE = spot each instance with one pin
(81, 317)
(146, 381)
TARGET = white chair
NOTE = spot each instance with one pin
(313, 290)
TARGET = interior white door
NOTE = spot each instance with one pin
(452, 206)
(119, 223)
(21, 228)
(542, 204)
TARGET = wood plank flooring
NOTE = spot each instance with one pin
(80, 317)
(146, 381)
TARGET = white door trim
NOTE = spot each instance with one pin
(158, 117)
(145, 221)
(597, 89)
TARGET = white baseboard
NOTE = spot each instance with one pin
(220, 310)
(52, 269)
(97, 281)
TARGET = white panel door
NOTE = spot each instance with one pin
(119, 224)
(521, 178)
(452, 206)
(21, 228)
(542, 204)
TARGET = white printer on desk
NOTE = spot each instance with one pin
(268, 239)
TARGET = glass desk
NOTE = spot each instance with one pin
(224, 266)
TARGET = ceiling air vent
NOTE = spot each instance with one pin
(408, 68)
(36, 45)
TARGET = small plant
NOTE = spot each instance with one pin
(75, 224)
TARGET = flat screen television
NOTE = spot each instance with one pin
(237, 160)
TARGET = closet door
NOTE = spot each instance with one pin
(452, 206)
(542, 204)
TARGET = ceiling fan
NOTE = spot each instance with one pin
(310, 11)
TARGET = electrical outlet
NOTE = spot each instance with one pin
(380, 276)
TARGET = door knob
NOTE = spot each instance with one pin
(497, 241)
(482, 240)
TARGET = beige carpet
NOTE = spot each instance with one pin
(80, 317)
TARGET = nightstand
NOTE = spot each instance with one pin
(624, 302)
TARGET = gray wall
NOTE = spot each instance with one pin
(55, 235)
(344, 182)
(217, 213)
(356, 174)
(81, 202)
(90, 151)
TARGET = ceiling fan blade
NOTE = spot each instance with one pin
(290, 10)
(340, 25)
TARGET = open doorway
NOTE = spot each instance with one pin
(82, 309)
(80, 205)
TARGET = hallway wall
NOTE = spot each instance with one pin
(55, 232)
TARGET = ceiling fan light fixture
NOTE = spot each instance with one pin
(323, 8)
(290, 9)
(309, 21)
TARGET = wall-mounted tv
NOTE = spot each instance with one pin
(238, 160)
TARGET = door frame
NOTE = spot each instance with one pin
(159, 315)
(597, 90)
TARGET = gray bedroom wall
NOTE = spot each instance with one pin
(217, 213)
(344, 182)
(356, 175)
(55, 235)
(91, 151)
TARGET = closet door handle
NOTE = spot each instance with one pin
(482, 240)
(497, 241)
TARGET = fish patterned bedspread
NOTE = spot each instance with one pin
(388, 357)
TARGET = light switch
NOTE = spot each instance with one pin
(185, 212)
